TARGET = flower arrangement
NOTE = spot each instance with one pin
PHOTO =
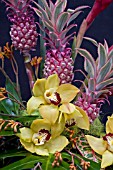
(60, 126)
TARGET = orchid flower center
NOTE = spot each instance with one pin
(41, 137)
(51, 96)
(109, 138)
(70, 122)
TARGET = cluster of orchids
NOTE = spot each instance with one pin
(60, 126)
(53, 103)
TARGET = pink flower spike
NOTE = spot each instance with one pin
(99, 5)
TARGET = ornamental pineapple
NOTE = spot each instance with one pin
(98, 85)
(23, 30)
(57, 24)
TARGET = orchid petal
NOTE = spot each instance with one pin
(39, 124)
(26, 134)
(107, 159)
(82, 122)
(109, 124)
(57, 144)
(34, 103)
(60, 117)
(39, 87)
(49, 112)
(41, 150)
(28, 146)
(67, 108)
(58, 128)
(97, 144)
(52, 81)
(73, 115)
(67, 92)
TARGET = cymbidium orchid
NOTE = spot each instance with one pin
(104, 146)
(38, 139)
(53, 101)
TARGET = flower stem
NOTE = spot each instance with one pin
(74, 155)
(29, 70)
(15, 69)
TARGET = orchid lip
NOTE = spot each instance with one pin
(107, 135)
(56, 100)
(41, 137)
(70, 122)
(52, 97)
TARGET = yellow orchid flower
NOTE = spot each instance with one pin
(38, 139)
(109, 124)
(49, 96)
(74, 115)
(104, 146)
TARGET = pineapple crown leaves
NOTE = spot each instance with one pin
(100, 72)
(17, 6)
(57, 21)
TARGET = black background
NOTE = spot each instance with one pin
(102, 28)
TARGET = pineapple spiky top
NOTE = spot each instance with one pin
(99, 81)
(16, 7)
(23, 31)
(56, 20)
(100, 72)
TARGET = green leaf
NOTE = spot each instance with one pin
(110, 54)
(58, 9)
(88, 68)
(91, 40)
(104, 71)
(74, 16)
(49, 27)
(42, 11)
(102, 56)
(104, 84)
(62, 20)
(6, 106)
(7, 132)
(67, 38)
(89, 63)
(77, 9)
(46, 162)
(91, 85)
(14, 95)
(12, 90)
(65, 31)
(31, 161)
(99, 93)
(13, 153)
(46, 7)
(73, 54)
(42, 41)
(51, 5)
(25, 120)
(106, 46)
(25, 163)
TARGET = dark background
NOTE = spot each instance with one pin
(102, 28)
